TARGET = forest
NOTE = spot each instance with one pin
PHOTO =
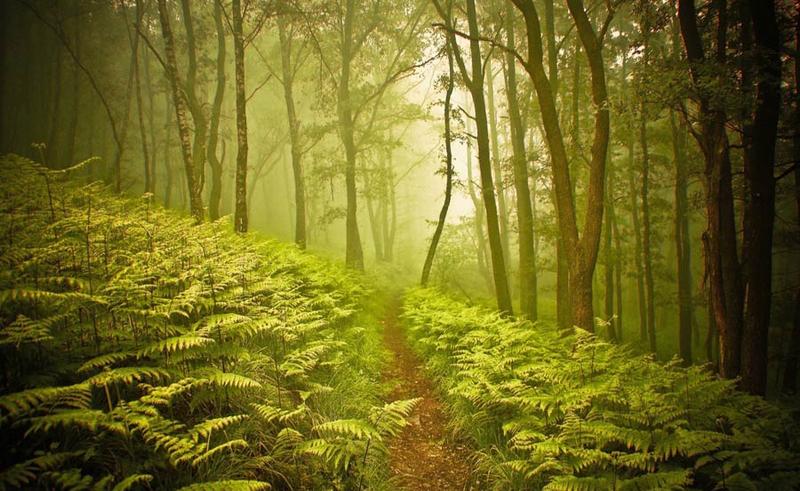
(400, 245)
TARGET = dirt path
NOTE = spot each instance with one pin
(421, 457)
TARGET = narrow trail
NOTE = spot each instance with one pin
(421, 457)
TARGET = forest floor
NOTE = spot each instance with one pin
(422, 456)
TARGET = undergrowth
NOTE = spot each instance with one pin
(547, 410)
(140, 351)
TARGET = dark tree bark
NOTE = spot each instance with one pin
(294, 133)
(527, 260)
(448, 187)
(760, 205)
(240, 213)
(721, 258)
(179, 103)
(793, 359)
(214, 162)
(682, 242)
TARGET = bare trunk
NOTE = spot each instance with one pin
(647, 257)
(240, 213)
(448, 188)
(216, 109)
(294, 134)
(527, 264)
(354, 256)
(194, 190)
(760, 206)
(497, 168)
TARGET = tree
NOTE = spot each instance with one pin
(240, 215)
(216, 111)
(721, 263)
(473, 79)
(289, 69)
(448, 188)
(179, 103)
(759, 213)
(581, 250)
(527, 259)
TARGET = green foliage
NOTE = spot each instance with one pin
(572, 412)
(140, 350)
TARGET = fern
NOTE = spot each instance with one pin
(228, 485)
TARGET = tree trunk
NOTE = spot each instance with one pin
(682, 242)
(647, 257)
(475, 85)
(72, 130)
(194, 190)
(527, 265)
(148, 168)
(497, 168)
(608, 261)
(240, 214)
(354, 256)
(760, 206)
(216, 109)
(581, 252)
(793, 359)
(719, 240)
(482, 253)
(294, 134)
(200, 140)
(448, 187)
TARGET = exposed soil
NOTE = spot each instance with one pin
(422, 457)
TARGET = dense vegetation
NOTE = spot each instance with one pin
(211, 211)
(138, 348)
(548, 409)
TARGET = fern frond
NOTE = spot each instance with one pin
(131, 481)
(230, 485)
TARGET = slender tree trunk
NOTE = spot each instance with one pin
(475, 86)
(448, 188)
(55, 112)
(527, 264)
(294, 134)
(151, 119)
(647, 257)
(240, 215)
(72, 130)
(148, 168)
(760, 206)
(618, 325)
(497, 168)
(195, 106)
(179, 103)
(608, 260)
(563, 307)
(216, 110)
(682, 242)
(354, 257)
(476, 203)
